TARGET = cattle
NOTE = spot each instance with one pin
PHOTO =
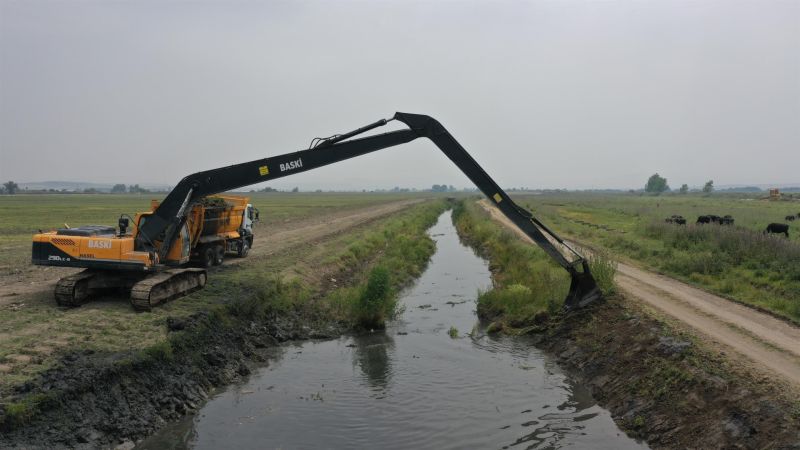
(703, 219)
(778, 228)
(790, 218)
(676, 219)
(727, 220)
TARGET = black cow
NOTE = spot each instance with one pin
(703, 219)
(727, 220)
(676, 219)
(778, 228)
(715, 219)
(790, 218)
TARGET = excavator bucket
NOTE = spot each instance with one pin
(583, 289)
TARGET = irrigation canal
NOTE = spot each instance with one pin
(412, 386)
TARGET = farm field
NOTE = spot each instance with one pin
(737, 262)
(22, 215)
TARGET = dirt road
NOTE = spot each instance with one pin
(757, 340)
(269, 239)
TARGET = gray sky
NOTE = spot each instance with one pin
(543, 94)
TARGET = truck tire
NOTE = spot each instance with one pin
(244, 248)
(209, 257)
(219, 255)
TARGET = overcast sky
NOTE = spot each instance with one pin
(556, 94)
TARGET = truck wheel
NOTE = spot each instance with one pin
(209, 257)
(219, 252)
(244, 248)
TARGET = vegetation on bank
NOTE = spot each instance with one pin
(345, 282)
(362, 290)
(738, 262)
(660, 385)
(527, 285)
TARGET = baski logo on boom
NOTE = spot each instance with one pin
(291, 165)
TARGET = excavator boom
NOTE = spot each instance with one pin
(165, 223)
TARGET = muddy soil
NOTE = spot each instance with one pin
(664, 388)
(95, 400)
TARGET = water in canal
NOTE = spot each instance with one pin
(412, 386)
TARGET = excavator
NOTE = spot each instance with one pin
(153, 261)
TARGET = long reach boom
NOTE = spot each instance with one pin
(164, 225)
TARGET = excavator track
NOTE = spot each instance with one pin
(74, 290)
(165, 286)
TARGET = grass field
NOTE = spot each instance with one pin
(23, 215)
(739, 262)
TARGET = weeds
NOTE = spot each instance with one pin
(603, 269)
(736, 261)
(527, 285)
(376, 301)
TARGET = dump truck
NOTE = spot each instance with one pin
(151, 259)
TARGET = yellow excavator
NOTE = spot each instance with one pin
(154, 257)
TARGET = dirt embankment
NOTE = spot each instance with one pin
(691, 374)
(92, 399)
(665, 387)
(753, 339)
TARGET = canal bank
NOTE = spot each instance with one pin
(432, 379)
(660, 382)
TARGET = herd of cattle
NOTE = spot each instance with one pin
(773, 228)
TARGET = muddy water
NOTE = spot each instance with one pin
(412, 386)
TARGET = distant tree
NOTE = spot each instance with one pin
(90, 191)
(269, 189)
(709, 187)
(684, 188)
(656, 184)
(11, 188)
(136, 189)
(118, 189)
(296, 189)
(439, 188)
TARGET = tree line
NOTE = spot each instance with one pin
(657, 184)
(11, 188)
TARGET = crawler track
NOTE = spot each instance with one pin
(164, 286)
(73, 290)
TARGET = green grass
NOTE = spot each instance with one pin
(526, 282)
(738, 262)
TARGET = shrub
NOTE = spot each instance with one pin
(603, 269)
(376, 303)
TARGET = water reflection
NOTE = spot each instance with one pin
(412, 385)
(372, 356)
(558, 427)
